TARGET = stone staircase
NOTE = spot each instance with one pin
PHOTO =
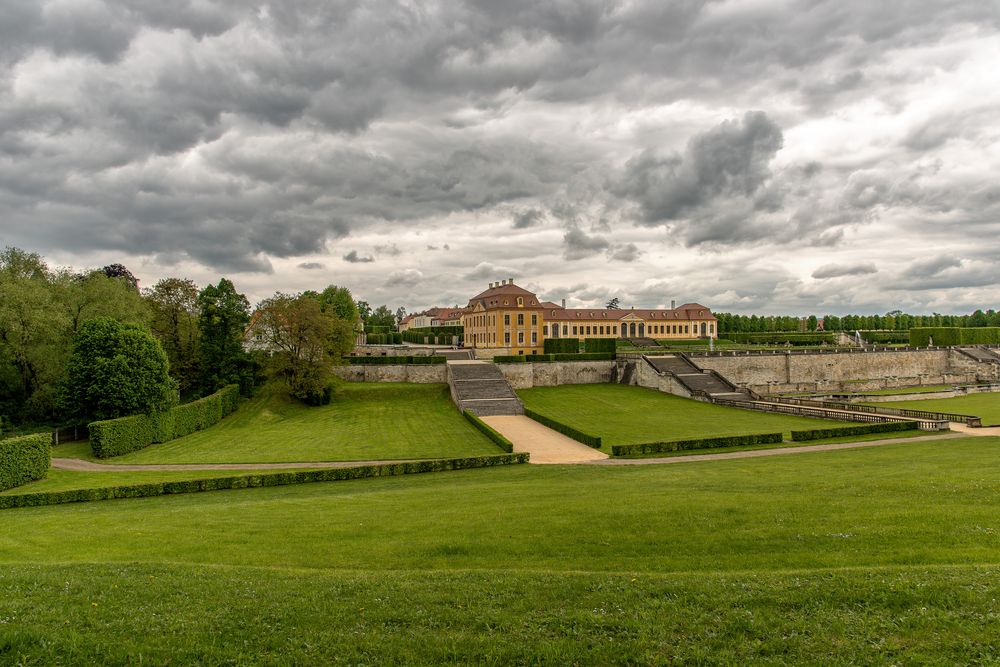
(695, 379)
(643, 342)
(481, 388)
(983, 354)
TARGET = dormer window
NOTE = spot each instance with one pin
(520, 301)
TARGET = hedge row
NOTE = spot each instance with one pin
(377, 329)
(703, 443)
(394, 361)
(544, 358)
(922, 336)
(599, 345)
(561, 345)
(392, 338)
(258, 480)
(781, 338)
(569, 431)
(24, 459)
(419, 338)
(490, 432)
(886, 337)
(114, 437)
(842, 431)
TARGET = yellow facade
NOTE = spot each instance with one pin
(509, 320)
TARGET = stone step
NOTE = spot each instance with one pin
(471, 389)
(493, 407)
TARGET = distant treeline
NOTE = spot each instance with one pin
(894, 321)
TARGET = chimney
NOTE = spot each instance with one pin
(510, 281)
(564, 303)
(491, 285)
(673, 304)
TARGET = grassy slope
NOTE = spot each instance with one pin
(985, 405)
(365, 421)
(876, 555)
(627, 415)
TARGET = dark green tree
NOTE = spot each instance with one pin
(612, 304)
(223, 315)
(382, 317)
(115, 370)
(174, 306)
(340, 301)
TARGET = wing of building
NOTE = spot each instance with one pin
(507, 319)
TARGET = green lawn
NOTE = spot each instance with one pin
(365, 421)
(623, 415)
(888, 555)
(986, 405)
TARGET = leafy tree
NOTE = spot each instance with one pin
(90, 295)
(223, 314)
(174, 306)
(612, 304)
(364, 310)
(119, 271)
(382, 317)
(400, 315)
(305, 341)
(339, 299)
(812, 323)
(116, 369)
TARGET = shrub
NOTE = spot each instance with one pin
(782, 338)
(842, 431)
(24, 459)
(599, 345)
(569, 431)
(490, 432)
(559, 345)
(114, 437)
(702, 443)
(259, 480)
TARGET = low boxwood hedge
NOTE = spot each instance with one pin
(569, 431)
(258, 480)
(701, 443)
(394, 360)
(490, 432)
(114, 437)
(862, 429)
(561, 345)
(24, 459)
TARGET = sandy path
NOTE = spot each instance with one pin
(90, 466)
(969, 430)
(544, 444)
(777, 451)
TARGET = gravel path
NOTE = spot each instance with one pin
(544, 444)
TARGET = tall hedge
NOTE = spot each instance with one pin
(781, 338)
(24, 459)
(114, 437)
(599, 345)
(565, 429)
(562, 345)
(394, 360)
(922, 336)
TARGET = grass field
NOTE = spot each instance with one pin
(884, 555)
(365, 421)
(623, 415)
(986, 405)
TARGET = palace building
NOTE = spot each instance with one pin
(509, 320)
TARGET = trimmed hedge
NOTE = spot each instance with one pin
(490, 432)
(259, 480)
(544, 358)
(600, 345)
(944, 336)
(781, 338)
(114, 437)
(842, 431)
(394, 361)
(886, 337)
(569, 431)
(702, 443)
(24, 459)
(561, 345)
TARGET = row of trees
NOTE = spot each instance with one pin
(895, 320)
(89, 344)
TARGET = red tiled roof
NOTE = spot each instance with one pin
(494, 297)
(689, 311)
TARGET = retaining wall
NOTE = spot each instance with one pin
(418, 373)
(554, 373)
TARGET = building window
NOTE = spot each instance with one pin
(506, 319)
(520, 338)
(711, 328)
(520, 319)
(687, 328)
(506, 338)
(545, 330)
(534, 338)
(574, 331)
(534, 320)
(520, 301)
(565, 329)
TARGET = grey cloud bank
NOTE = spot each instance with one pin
(753, 156)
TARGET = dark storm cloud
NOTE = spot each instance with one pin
(310, 266)
(840, 270)
(354, 258)
(628, 252)
(931, 267)
(579, 245)
(528, 218)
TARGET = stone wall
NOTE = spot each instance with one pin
(417, 373)
(645, 375)
(554, 373)
(847, 371)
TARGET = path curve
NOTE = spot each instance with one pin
(544, 444)
(90, 466)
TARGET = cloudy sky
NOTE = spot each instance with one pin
(753, 155)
